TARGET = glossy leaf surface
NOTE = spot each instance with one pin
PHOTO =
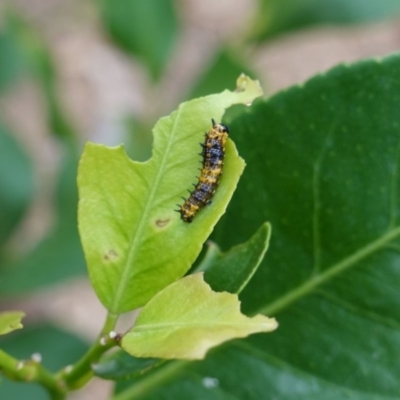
(121, 365)
(323, 167)
(231, 271)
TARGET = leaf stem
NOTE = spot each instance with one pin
(80, 373)
(152, 381)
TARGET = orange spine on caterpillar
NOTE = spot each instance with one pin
(213, 160)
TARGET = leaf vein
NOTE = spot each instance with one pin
(137, 236)
(372, 316)
(308, 286)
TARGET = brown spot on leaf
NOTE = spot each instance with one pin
(110, 255)
(162, 222)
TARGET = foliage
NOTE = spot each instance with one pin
(126, 221)
(276, 16)
(147, 29)
(10, 320)
(17, 189)
(322, 168)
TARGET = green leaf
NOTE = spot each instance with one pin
(40, 62)
(147, 29)
(276, 16)
(59, 255)
(16, 183)
(121, 365)
(10, 321)
(190, 385)
(186, 319)
(45, 339)
(231, 271)
(323, 167)
(134, 242)
(329, 185)
(228, 271)
(56, 258)
(11, 59)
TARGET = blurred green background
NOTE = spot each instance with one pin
(105, 71)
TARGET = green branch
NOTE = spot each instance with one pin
(78, 374)
(31, 371)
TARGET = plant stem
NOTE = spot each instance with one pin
(31, 371)
(69, 378)
(80, 373)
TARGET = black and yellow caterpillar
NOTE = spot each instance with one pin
(213, 160)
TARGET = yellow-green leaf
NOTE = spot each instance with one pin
(187, 318)
(135, 244)
(10, 321)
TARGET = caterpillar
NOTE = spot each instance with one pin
(213, 152)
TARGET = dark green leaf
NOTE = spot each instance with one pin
(323, 167)
(121, 365)
(146, 29)
(40, 62)
(276, 16)
(232, 270)
(16, 183)
(59, 255)
(11, 59)
(189, 385)
(56, 258)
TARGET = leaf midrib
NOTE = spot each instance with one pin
(284, 301)
(284, 365)
(136, 238)
(212, 324)
(317, 280)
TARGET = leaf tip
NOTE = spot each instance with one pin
(10, 321)
(244, 83)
